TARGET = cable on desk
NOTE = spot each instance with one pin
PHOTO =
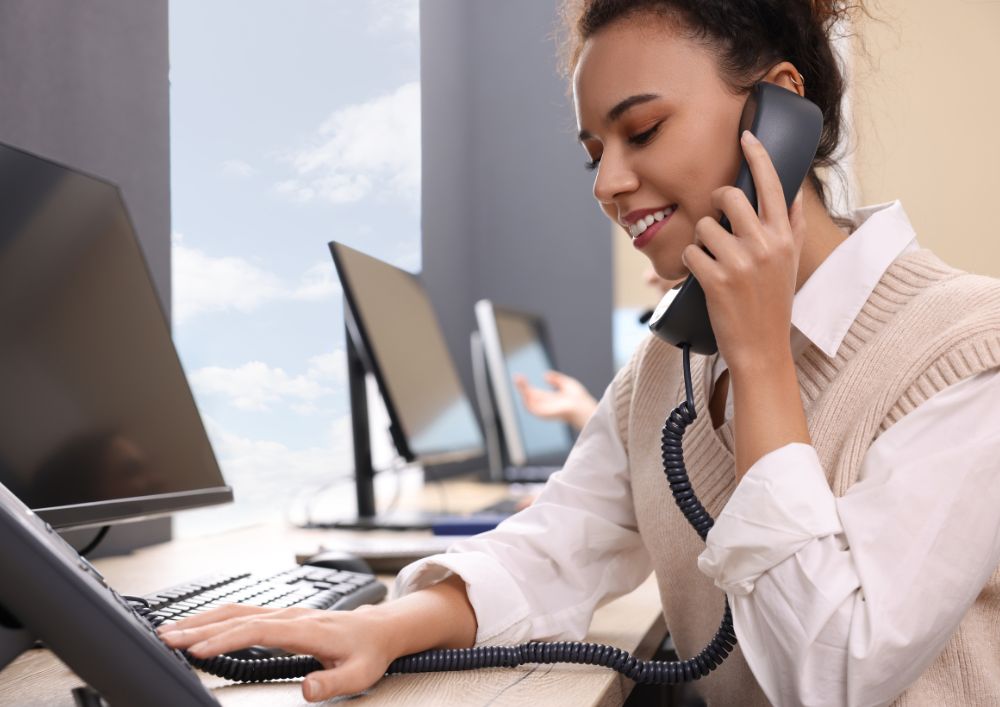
(92, 545)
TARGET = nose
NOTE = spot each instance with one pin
(614, 178)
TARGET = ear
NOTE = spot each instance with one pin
(787, 76)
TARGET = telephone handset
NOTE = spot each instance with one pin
(789, 127)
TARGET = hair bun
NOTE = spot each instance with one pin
(828, 12)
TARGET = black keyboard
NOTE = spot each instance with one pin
(504, 507)
(528, 474)
(303, 586)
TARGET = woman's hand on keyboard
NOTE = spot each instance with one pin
(355, 647)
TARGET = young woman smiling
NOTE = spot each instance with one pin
(849, 456)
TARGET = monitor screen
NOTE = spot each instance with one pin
(99, 424)
(514, 343)
(404, 347)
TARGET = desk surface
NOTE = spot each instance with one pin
(633, 622)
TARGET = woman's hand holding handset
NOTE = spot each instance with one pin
(749, 286)
(750, 283)
(355, 647)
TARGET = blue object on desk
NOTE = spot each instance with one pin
(467, 525)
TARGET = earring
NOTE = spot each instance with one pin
(801, 81)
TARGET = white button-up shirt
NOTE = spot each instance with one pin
(824, 613)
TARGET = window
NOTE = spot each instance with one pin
(292, 124)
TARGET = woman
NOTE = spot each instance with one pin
(848, 450)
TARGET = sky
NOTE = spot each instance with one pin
(292, 124)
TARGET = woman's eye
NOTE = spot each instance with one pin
(644, 137)
(593, 164)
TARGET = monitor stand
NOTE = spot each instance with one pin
(364, 473)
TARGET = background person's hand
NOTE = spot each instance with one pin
(568, 400)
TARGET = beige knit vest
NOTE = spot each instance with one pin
(925, 326)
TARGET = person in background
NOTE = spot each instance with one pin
(568, 400)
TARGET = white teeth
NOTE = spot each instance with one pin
(637, 228)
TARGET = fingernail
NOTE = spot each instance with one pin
(310, 689)
(750, 138)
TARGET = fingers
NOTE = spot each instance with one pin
(290, 633)
(737, 208)
(555, 378)
(700, 263)
(346, 679)
(213, 616)
(770, 194)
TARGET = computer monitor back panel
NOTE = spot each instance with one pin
(515, 343)
(402, 342)
(99, 423)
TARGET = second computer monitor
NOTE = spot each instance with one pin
(515, 343)
(397, 333)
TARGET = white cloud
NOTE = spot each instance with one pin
(361, 149)
(396, 16)
(257, 386)
(266, 466)
(238, 168)
(204, 283)
(316, 284)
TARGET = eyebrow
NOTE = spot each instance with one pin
(619, 110)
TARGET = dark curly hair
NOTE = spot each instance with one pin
(748, 37)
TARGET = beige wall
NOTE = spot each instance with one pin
(927, 116)
(629, 288)
(926, 125)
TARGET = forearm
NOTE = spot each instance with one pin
(767, 407)
(439, 616)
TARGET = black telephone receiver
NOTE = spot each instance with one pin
(789, 127)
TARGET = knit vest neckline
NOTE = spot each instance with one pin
(907, 275)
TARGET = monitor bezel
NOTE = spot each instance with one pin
(115, 511)
(500, 382)
(125, 510)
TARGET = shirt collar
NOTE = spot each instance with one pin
(829, 301)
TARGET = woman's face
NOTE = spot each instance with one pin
(663, 129)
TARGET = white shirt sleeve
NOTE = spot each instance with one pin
(542, 572)
(846, 601)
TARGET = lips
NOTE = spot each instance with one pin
(645, 224)
(639, 221)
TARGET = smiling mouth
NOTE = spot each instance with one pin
(640, 226)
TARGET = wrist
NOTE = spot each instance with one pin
(382, 630)
(438, 616)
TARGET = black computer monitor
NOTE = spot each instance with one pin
(97, 423)
(393, 334)
(517, 343)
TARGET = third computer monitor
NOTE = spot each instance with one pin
(515, 343)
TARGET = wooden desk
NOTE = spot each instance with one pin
(633, 622)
